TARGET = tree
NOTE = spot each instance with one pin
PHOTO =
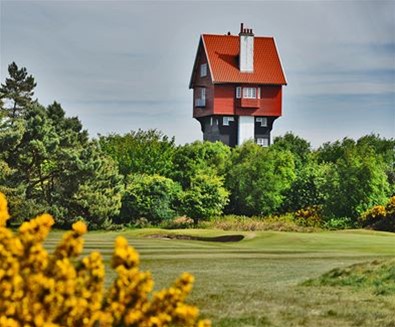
(356, 182)
(59, 169)
(206, 197)
(207, 157)
(258, 178)
(307, 189)
(299, 147)
(141, 152)
(98, 195)
(152, 197)
(17, 91)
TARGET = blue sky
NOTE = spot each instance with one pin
(124, 65)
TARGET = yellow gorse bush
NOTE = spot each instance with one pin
(59, 289)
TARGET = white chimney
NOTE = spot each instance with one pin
(246, 58)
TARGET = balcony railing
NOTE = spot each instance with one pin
(200, 102)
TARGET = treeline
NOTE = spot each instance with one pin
(48, 163)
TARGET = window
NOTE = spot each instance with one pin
(227, 120)
(249, 92)
(203, 70)
(200, 101)
(203, 94)
(262, 141)
(262, 120)
(238, 92)
(259, 92)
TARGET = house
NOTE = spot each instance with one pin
(237, 85)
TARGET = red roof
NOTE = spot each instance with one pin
(223, 50)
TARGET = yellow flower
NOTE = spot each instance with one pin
(4, 216)
(39, 289)
(79, 227)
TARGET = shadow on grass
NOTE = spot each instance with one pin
(224, 238)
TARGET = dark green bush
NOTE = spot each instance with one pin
(150, 196)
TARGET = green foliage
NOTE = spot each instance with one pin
(355, 182)
(340, 223)
(307, 188)
(310, 216)
(150, 196)
(299, 147)
(142, 152)
(205, 198)
(17, 91)
(380, 217)
(48, 162)
(257, 179)
(206, 157)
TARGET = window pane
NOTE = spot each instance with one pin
(238, 92)
(203, 70)
(249, 92)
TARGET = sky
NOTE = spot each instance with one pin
(124, 65)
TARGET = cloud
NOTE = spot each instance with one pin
(121, 65)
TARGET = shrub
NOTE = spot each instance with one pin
(205, 198)
(150, 196)
(309, 217)
(340, 223)
(178, 223)
(284, 223)
(380, 217)
(58, 289)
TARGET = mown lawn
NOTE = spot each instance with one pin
(256, 282)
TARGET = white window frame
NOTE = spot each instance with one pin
(203, 70)
(259, 92)
(226, 120)
(249, 92)
(262, 141)
(238, 92)
(262, 120)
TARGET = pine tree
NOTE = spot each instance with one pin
(16, 94)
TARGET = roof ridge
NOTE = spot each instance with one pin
(232, 35)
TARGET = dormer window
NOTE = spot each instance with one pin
(203, 70)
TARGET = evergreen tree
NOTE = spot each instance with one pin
(17, 92)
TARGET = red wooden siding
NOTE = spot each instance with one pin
(205, 82)
(225, 102)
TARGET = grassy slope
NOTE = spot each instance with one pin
(256, 282)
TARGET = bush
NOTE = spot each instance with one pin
(380, 217)
(41, 289)
(178, 223)
(150, 196)
(309, 217)
(205, 198)
(340, 223)
(284, 223)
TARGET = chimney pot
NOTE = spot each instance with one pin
(241, 27)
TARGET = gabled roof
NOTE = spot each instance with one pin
(222, 52)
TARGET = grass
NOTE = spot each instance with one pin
(258, 281)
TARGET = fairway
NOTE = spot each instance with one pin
(256, 282)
